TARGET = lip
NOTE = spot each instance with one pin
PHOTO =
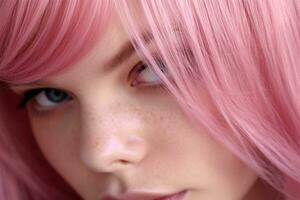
(178, 196)
(148, 196)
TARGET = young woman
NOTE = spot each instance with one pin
(148, 100)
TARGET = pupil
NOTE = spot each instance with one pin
(55, 95)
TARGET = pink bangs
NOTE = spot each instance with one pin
(41, 37)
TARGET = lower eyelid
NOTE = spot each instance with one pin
(35, 112)
(39, 112)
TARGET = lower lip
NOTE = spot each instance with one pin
(178, 196)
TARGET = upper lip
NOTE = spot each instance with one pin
(139, 196)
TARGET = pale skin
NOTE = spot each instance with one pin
(113, 137)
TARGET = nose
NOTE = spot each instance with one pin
(112, 144)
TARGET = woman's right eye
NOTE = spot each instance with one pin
(45, 98)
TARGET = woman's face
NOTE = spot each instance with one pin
(112, 137)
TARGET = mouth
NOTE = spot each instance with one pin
(149, 196)
(177, 196)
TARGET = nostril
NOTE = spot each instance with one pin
(118, 164)
(125, 162)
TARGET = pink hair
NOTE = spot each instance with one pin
(38, 38)
(244, 54)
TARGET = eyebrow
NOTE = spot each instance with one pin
(126, 52)
(123, 54)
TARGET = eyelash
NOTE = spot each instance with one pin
(30, 94)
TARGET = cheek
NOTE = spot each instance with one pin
(194, 154)
(54, 135)
(58, 139)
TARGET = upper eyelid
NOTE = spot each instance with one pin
(22, 91)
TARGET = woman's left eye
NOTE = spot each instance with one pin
(146, 75)
(46, 98)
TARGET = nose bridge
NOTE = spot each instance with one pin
(111, 137)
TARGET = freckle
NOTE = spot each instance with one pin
(136, 118)
(96, 143)
(121, 118)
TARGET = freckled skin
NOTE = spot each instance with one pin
(112, 136)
